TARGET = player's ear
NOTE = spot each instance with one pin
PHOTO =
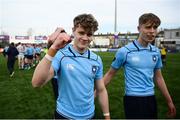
(138, 28)
(73, 29)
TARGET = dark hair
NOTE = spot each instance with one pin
(149, 18)
(12, 44)
(87, 21)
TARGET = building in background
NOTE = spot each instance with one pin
(171, 39)
(29, 39)
(4, 40)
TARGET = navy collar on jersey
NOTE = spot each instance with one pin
(75, 53)
(139, 46)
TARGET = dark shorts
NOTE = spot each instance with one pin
(25, 56)
(29, 57)
(59, 116)
(140, 107)
(163, 56)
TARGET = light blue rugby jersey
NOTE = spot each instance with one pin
(139, 65)
(76, 76)
(37, 50)
(30, 51)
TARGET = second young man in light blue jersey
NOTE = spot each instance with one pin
(77, 69)
(142, 67)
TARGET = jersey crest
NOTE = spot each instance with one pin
(94, 69)
(154, 58)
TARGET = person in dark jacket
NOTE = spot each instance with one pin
(12, 52)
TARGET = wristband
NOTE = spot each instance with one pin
(106, 114)
(51, 52)
(48, 57)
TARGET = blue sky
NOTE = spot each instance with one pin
(43, 16)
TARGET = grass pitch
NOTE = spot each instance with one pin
(18, 99)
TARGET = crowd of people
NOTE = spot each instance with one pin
(28, 56)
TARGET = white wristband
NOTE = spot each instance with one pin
(48, 57)
(106, 114)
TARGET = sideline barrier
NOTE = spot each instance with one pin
(103, 50)
(99, 49)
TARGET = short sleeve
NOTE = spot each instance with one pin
(159, 62)
(56, 62)
(99, 73)
(119, 58)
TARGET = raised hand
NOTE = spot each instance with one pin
(59, 39)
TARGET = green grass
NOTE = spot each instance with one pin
(18, 99)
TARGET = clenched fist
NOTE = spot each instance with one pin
(59, 39)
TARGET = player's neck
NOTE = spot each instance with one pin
(79, 50)
(142, 42)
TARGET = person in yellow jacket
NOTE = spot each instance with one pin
(163, 55)
(45, 50)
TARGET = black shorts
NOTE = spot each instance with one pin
(25, 56)
(29, 57)
(59, 116)
(140, 107)
(163, 56)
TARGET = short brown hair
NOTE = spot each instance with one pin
(87, 21)
(149, 18)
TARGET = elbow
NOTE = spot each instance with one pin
(101, 91)
(35, 83)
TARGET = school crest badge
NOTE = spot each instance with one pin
(94, 69)
(154, 58)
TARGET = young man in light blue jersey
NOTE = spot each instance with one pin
(30, 56)
(37, 55)
(142, 67)
(78, 71)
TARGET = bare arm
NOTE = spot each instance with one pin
(163, 88)
(109, 75)
(103, 98)
(44, 72)
(107, 78)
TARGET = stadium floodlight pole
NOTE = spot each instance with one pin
(115, 17)
(115, 26)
